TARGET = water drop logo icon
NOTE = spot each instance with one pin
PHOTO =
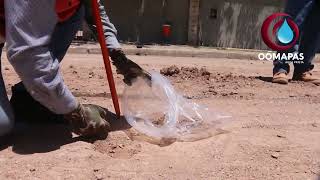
(285, 32)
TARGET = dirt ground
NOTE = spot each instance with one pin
(274, 134)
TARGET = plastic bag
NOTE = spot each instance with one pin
(159, 112)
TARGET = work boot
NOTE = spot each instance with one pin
(27, 109)
(280, 78)
(89, 120)
(306, 77)
(129, 69)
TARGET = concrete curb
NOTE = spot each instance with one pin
(208, 53)
(175, 51)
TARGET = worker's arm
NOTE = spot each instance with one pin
(129, 69)
(110, 32)
(31, 24)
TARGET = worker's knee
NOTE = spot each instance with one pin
(53, 94)
(6, 124)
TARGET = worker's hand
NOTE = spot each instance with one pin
(129, 69)
(89, 121)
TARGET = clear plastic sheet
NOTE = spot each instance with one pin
(159, 112)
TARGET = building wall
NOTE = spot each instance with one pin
(141, 20)
(234, 23)
(227, 23)
(193, 26)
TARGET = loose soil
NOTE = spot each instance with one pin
(274, 134)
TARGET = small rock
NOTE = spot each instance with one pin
(213, 92)
(275, 155)
(6, 68)
(279, 136)
(112, 151)
(99, 177)
(233, 93)
(204, 72)
(71, 67)
(74, 72)
(32, 169)
(91, 74)
(188, 97)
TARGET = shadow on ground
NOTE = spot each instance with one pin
(264, 78)
(46, 137)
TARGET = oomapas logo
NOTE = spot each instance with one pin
(280, 33)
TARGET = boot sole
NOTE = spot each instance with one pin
(280, 81)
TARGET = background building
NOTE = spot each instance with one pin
(227, 23)
(142, 20)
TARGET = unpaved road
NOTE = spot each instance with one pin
(275, 133)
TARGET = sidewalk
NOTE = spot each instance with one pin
(175, 51)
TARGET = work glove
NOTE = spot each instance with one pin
(129, 69)
(89, 120)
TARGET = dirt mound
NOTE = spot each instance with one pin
(170, 71)
(209, 84)
(186, 72)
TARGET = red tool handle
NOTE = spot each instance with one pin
(105, 54)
